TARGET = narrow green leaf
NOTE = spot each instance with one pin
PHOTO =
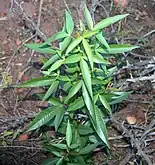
(100, 127)
(118, 48)
(76, 87)
(109, 21)
(88, 52)
(64, 44)
(62, 128)
(96, 81)
(57, 153)
(72, 70)
(50, 61)
(96, 98)
(55, 66)
(58, 118)
(51, 90)
(69, 23)
(86, 76)
(51, 161)
(100, 81)
(80, 160)
(74, 164)
(82, 26)
(77, 104)
(100, 60)
(75, 77)
(7, 133)
(72, 59)
(105, 103)
(88, 149)
(85, 129)
(102, 39)
(88, 17)
(60, 162)
(67, 86)
(73, 44)
(88, 101)
(74, 146)
(89, 34)
(120, 97)
(69, 134)
(111, 70)
(38, 48)
(55, 37)
(47, 73)
(83, 141)
(60, 146)
(43, 117)
(37, 82)
(63, 78)
(54, 101)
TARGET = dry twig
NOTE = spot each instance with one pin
(38, 31)
(141, 78)
(133, 140)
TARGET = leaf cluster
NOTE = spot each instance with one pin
(77, 77)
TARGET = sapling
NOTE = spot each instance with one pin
(76, 77)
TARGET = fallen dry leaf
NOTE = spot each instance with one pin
(25, 78)
(18, 41)
(20, 90)
(23, 137)
(122, 3)
(131, 120)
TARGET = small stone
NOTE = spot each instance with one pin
(131, 120)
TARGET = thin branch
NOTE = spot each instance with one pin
(127, 158)
(133, 140)
(24, 147)
(141, 78)
(38, 31)
(40, 12)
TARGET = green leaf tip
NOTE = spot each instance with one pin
(88, 17)
(109, 21)
(69, 23)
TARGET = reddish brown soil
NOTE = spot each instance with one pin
(18, 106)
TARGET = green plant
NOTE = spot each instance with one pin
(76, 78)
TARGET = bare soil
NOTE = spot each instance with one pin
(136, 73)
